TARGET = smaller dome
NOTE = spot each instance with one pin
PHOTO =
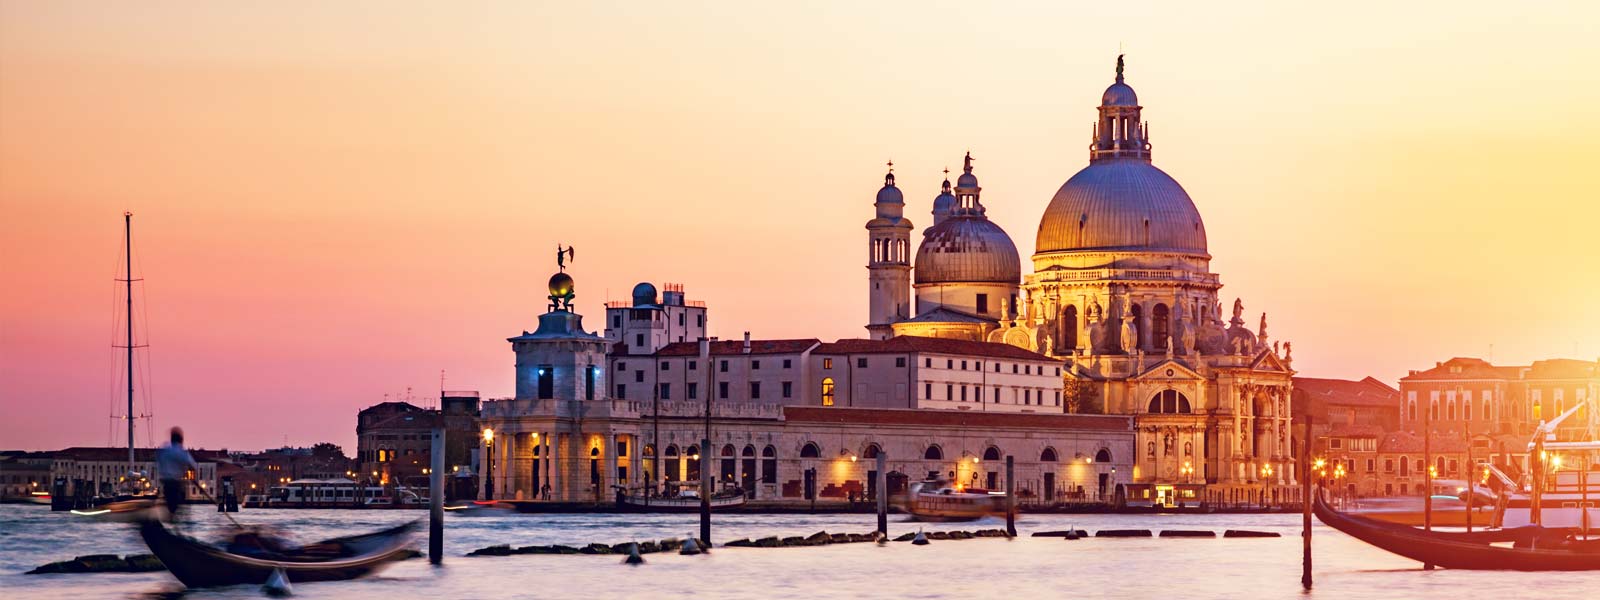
(644, 294)
(560, 285)
(890, 194)
(966, 249)
(967, 180)
(1119, 94)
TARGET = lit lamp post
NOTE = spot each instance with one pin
(488, 476)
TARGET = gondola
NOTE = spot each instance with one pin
(198, 564)
(685, 502)
(1539, 551)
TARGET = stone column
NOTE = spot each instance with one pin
(610, 476)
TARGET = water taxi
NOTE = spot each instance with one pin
(938, 500)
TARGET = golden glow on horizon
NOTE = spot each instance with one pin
(295, 171)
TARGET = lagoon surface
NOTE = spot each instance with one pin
(1025, 567)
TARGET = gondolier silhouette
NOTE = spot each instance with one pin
(173, 465)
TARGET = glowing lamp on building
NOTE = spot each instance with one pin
(488, 435)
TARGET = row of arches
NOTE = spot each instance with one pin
(890, 250)
(1160, 324)
(935, 452)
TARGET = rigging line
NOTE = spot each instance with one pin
(148, 389)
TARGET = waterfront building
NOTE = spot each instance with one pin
(394, 443)
(22, 473)
(1350, 420)
(1122, 294)
(256, 472)
(89, 471)
(788, 419)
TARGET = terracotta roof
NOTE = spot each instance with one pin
(736, 347)
(1464, 368)
(1411, 443)
(1563, 368)
(946, 315)
(1344, 392)
(954, 418)
(1356, 431)
(908, 343)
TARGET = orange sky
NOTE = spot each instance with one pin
(333, 203)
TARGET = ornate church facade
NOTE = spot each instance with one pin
(1121, 292)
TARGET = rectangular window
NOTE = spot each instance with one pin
(665, 365)
(680, 319)
(699, 320)
(638, 339)
(963, 365)
(755, 364)
(1370, 464)
(949, 392)
(755, 390)
(1335, 443)
(927, 363)
(1027, 369)
(693, 365)
(827, 363)
(1058, 398)
(1027, 396)
(1058, 371)
(997, 394)
(722, 366)
(963, 393)
(788, 389)
(927, 391)
(899, 361)
(622, 392)
(638, 376)
(1014, 368)
(694, 390)
(983, 304)
(616, 321)
(786, 363)
(949, 363)
(622, 450)
(589, 374)
(666, 391)
(997, 367)
(547, 381)
(861, 363)
(722, 390)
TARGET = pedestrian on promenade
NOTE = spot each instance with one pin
(174, 466)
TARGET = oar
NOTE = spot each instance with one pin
(213, 500)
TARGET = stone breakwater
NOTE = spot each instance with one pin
(103, 563)
(820, 538)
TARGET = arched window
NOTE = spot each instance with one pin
(827, 391)
(1103, 456)
(1069, 327)
(991, 453)
(672, 450)
(692, 451)
(871, 451)
(748, 451)
(769, 465)
(1160, 327)
(1487, 410)
(1169, 402)
(809, 450)
(1049, 455)
(728, 450)
(933, 453)
(649, 450)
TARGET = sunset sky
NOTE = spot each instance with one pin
(333, 202)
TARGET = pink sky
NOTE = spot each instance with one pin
(334, 203)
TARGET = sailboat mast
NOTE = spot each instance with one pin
(127, 241)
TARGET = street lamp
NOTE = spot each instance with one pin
(488, 477)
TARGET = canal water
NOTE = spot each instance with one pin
(1017, 569)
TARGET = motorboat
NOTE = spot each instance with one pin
(938, 500)
(686, 500)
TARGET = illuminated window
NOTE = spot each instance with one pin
(827, 363)
(827, 391)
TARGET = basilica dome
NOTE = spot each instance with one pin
(1124, 203)
(967, 248)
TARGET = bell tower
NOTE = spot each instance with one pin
(888, 261)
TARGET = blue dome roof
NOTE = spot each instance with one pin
(1121, 203)
(1119, 94)
(890, 194)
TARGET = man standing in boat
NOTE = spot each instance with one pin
(173, 465)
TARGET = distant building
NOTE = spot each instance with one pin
(98, 471)
(1350, 421)
(22, 473)
(257, 472)
(394, 443)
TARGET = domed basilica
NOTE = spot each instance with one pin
(1122, 292)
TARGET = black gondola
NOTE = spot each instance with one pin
(1535, 550)
(198, 564)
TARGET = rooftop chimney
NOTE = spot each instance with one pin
(746, 342)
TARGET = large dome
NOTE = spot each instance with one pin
(967, 249)
(1121, 204)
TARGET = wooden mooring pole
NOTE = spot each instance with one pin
(705, 485)
(1011, 497)
(1305, 505)
(883, 495)
(436, 498)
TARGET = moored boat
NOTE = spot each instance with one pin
(1535, 549)
(939, 501)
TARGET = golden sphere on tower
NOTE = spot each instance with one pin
(560, 285)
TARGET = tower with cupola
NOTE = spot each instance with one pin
(888, 260)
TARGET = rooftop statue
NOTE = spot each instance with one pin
(562, 256)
